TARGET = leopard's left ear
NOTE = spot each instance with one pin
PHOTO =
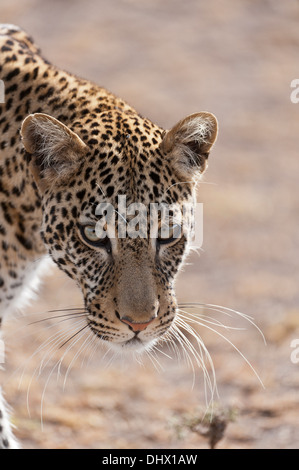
(187, 145)
(56, 150)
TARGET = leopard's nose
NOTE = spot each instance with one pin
(136, 326)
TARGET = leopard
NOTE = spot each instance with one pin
(68, 145)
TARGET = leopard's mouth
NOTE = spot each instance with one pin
(120, 342)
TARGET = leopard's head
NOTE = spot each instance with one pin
(118, 195)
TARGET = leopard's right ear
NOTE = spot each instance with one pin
(56, 151)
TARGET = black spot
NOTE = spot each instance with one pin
(12, 74)
(24, 241)
(109, 191)
(25, 92)
(80, 194)
(155, 177)
(108, 179)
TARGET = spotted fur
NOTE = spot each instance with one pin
(66, 145)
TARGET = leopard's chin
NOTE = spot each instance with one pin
(133, 345)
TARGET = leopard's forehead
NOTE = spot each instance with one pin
(124, 158)
(119, 125)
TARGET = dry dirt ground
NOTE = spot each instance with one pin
(170, 58)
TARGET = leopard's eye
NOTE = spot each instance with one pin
(89, 235)
(169, 234)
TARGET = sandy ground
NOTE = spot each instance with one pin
(170, 58)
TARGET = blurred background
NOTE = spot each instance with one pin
(170, 58)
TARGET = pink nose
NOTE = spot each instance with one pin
(135, 325)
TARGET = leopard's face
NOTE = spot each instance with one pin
(114, 214)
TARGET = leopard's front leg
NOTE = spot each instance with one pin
(7, 439)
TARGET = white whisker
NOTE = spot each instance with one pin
(151, 354)
(198, 354)
(74, 339)
(234, 346)
(53, 342)
(224, 310)
(194, 319)
(189, 182)
(80, 350)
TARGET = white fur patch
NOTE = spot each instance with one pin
(32, 281)
(199, 129)
(8, 28)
